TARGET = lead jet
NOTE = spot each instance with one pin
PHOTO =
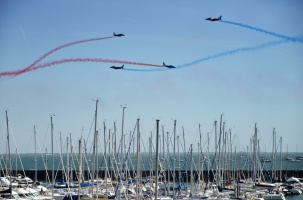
(115, 67)
(118, 35)
(214, 19)
(168, 66)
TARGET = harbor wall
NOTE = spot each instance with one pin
(43, 175)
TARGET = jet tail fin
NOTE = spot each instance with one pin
(114, 33)
(122, 67)
(220, 17)
(163, 64)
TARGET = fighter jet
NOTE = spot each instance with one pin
(115, 67)
(118, 35)
(168, 66)
(214, 19)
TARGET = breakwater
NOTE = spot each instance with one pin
(45, 175)
(240, 161)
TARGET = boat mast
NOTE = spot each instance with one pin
(61, 152)
(67, 161)
(185, 168)
(223, 163)
(35, 154)
(122, 144)
(219, 156)
(163, 156)
(115, 147)
(199, 154)
(9, 156)
(280, 158)
(95, 147)
(255, 153)
(208, 160)
(109, 154)
(105, 160)
(97, 164)
(259, 175)
(46, 170)
(80, 167)
(191, 170)
(179, 164)
(274, 155)
(174, 160)
(53, 158)
(168, 160)
(71, 159)
(230, 153)
(138, 163)
(216, 150)
(157, 158)
(85, 154)
(151, 159)
(163, 143)
(286, 161)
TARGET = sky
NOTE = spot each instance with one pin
(248, 70)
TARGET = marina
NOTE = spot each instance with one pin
(132, 174)
(151, 100)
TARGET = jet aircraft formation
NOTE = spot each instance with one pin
(164, 65)
(122, 67)
(33, 67)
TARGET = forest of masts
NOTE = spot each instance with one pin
(163, 155)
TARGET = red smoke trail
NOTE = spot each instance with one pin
(49, 64)
(63, 46)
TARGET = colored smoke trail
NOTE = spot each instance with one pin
(238, 50)
(226, 53)
(63, 46)
(262, 31)
(96, 60)
(33, 66)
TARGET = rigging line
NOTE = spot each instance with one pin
(17, 151)
(90, 130)
(44, 163)
(43, 145)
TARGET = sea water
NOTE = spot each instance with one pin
(241, 161)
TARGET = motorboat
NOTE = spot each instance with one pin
(299, 157)
(265, 185)
(263, 159)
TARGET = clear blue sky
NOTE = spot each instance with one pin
(263, 86)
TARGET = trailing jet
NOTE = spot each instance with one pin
(115, 67)
(168, 66)
(118, 35)
(214, 19)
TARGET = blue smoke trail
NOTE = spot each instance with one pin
(238, 50)
(226, 53)
(262, 31)
(285, 38)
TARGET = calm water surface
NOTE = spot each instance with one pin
(240, 161)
